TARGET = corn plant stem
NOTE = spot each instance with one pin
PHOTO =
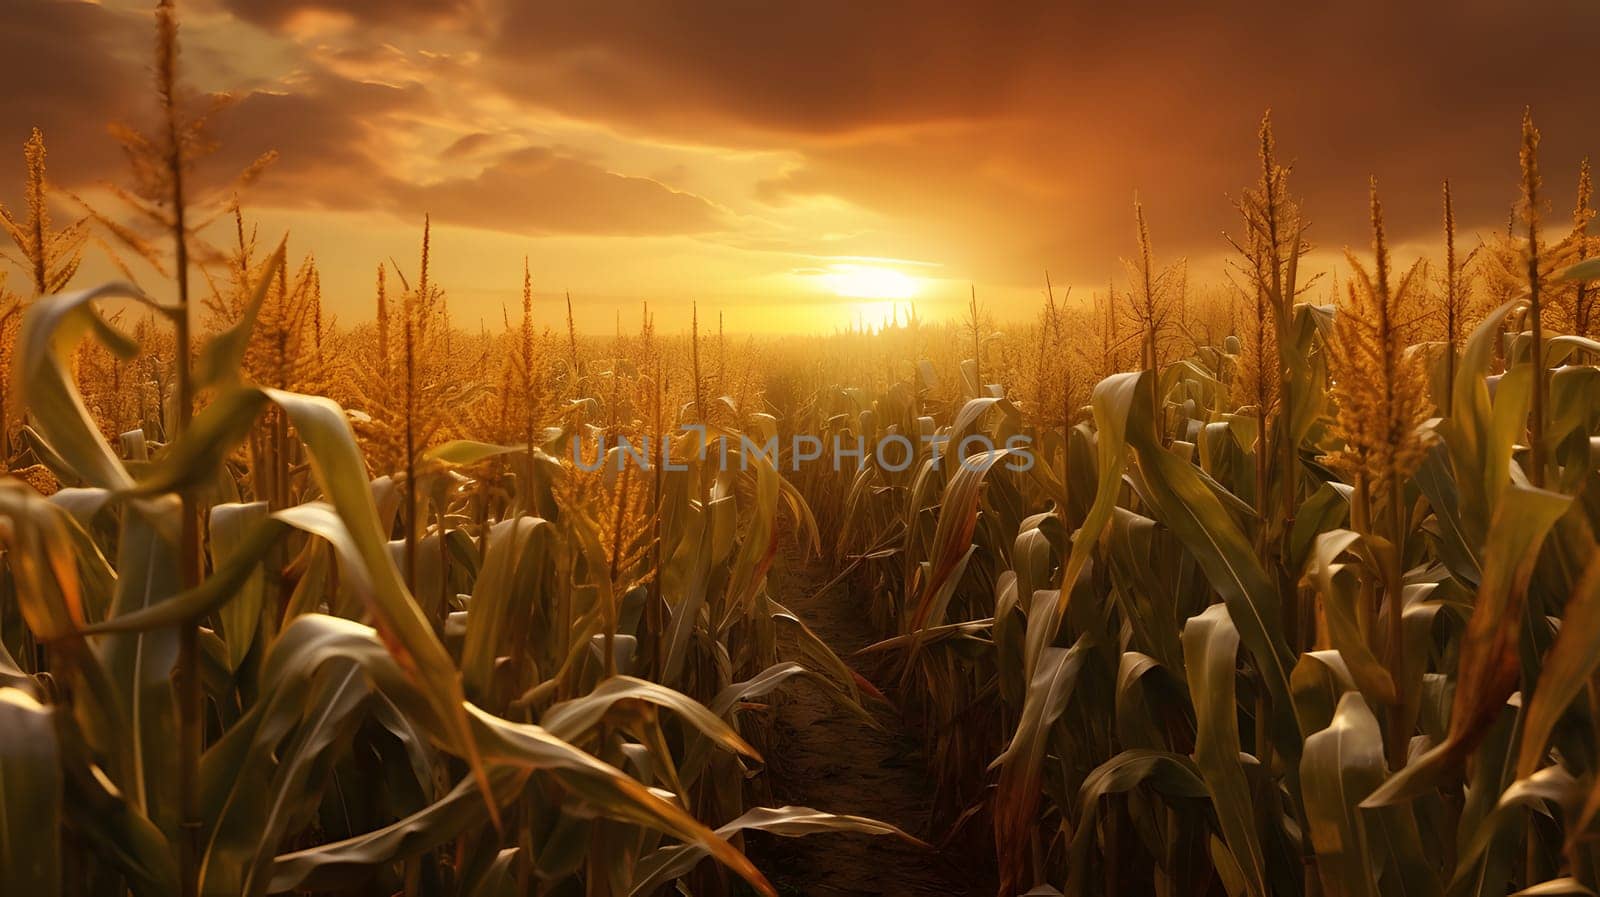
(187, 674)
(1147, 346)
(1288, 487)
(1452, 298)
(1262, 473)
(1530, 194)
(1282, 297)
(1361, 520)
(278, 469)
(1536, 440)
(40, 265)
(601, 854)
(1397, 737)
(977, 344)
(694, 345)
(619, 500)
(189, 690)
(1041, 360)
(411, 458)
(653, 615)
(1281, 294)
(5, 382)
(618, 520)
(39, 259)
(444, 571)
(1263, 549)
(574, 363)
(1066, 457)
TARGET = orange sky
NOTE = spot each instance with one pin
(799, 164)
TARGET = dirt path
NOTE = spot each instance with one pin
(829, 760)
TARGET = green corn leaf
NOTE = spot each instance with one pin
(1489, 667)
(1566, 671)
(1210, 655)
(220, 359)
(1340, 766)
(241, 616)
(30, 796)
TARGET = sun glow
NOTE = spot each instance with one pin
(868, 282)
(874, 316)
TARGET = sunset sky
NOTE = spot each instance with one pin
(799, 164)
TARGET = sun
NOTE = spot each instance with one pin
(869, 282)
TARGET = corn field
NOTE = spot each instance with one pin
(1284, 586)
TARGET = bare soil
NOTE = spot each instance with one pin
(825, 758)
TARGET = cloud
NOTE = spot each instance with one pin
(472, 145)
(67, 68)
(332, 137)
(282, 12)
(826, 67)
(1064, 110)
(343, 145)
(997, 140)
(535, 190)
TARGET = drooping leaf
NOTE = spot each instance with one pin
(662, 866)
(1489, 667)
(1566, 671)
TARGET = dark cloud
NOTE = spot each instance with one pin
(998, 139)
(329, 134)
(536, 190)
(336, 150)
(340, 141)
(277, 12)
(471, 146)
(68, 67)
(1064, 110)
(820, 67)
